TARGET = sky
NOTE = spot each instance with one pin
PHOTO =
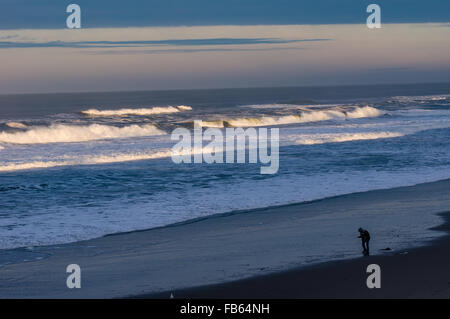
(190, 44)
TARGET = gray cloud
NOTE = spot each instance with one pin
(389, 69)
(157, 51)
(155, 43)
(8, 37)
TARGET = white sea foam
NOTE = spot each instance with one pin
(265, 121)
(420, 98)
(344, 137)
(306, 116)
(99, 159)
(271, 106)
(184, 108)
(110, 158)
(61, 133)
(141, 111)
(288, 106)
(216, 124)
(85, 160)
(361, 112)
(16, 125)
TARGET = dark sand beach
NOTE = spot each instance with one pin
(242, 255)
(414, 273)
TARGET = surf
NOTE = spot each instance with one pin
(16, 125)
(63, 133)
(304, 116)
(138, 112)
(345, 137)
(85, 160)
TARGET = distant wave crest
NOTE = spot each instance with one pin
(141, 111)
(61, 133)
(287, 106)
(306, 116)
(344, 137)
(16, 125)
(421, 99)
(85, 160)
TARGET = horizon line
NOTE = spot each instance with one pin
(229, 88)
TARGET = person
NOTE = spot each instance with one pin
(365, 238)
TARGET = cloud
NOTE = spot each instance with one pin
(8, 37)
(156, 51)
(154, 43)
(389, 69)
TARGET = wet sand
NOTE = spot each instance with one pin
(417, 273)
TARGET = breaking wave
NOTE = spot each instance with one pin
(287, 106)
(421, 98)
(61, 133)
(16, 125)
(84, 160)
(361, 112)
(306, 116)
(344, 137)
(103, 159)
(141, 111)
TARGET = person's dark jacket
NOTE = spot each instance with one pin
(364, 235)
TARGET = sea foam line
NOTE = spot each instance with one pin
(140, 111)
(421, 98)
(306, 116)
(289, 106)
(16, 125)
(101, 159)
(166, 153)
(345, 137)
(85, 160)
(61, 133)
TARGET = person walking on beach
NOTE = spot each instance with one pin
(365, 238)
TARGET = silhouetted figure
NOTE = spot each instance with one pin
(365, 238)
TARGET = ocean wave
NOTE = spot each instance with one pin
(98, 159)
(141, 111)
(361, 112)
(84, 160)
(271, 106)
(215, 124)
(344, 137)
(306, 116)
(16, 125)
(288, 106)
(106, 158)
(61, 133)
(70, 162)
(420, 98)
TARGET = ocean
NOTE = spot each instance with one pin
(83, 165)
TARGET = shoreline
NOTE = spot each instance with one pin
(231, 249)
(221, 215)
(419, 272)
